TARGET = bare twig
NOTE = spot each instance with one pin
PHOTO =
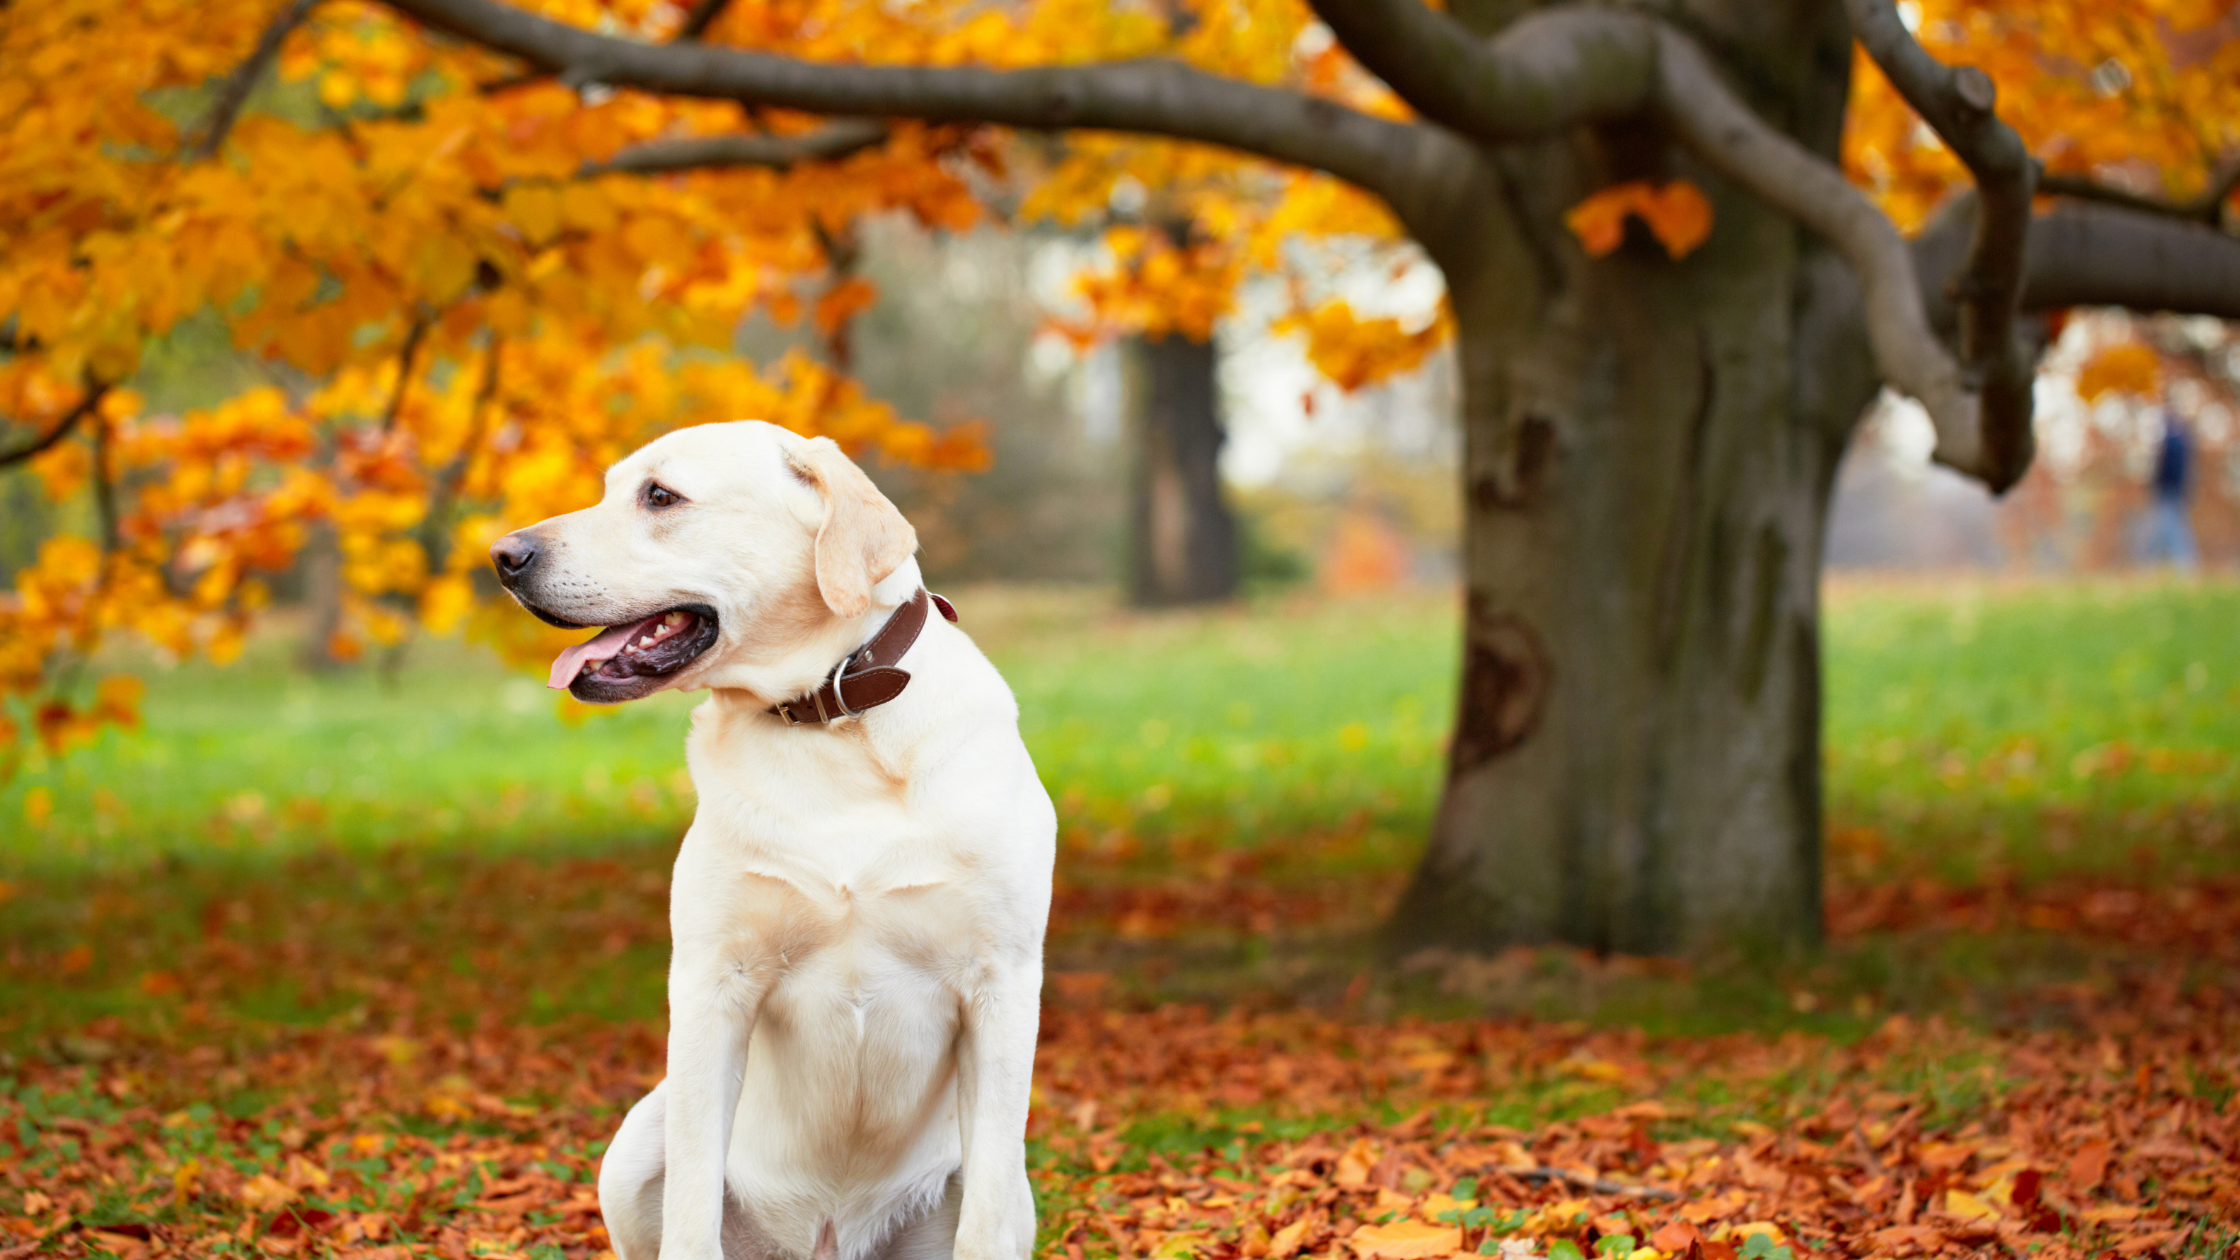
(2205, 208)
(843, 250)
(828, 143)
(406, 355)
(104, 488)
(1958, 104)
(234, 93)
(1592, 1185)
(435, 538)
(61, 429)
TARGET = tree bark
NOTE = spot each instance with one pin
(1182, 536)
(1650, 448)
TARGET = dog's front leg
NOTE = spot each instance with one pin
(714, 996)
(995, 1077)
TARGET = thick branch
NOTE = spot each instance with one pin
(1544, 72)
(1736, 142)
(61, 429)
(2202, 209)
(2086, 255)
(2095, 255)
(1957, 104)
(829, 143)
(1154, 97)
(234, 93)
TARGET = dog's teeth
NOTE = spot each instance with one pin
(673, 619)
(647, 641)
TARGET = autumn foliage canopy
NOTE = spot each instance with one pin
(470, 288)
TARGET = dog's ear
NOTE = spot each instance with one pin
(863, 537)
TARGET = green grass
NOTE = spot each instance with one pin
(2036, 727)
(2041, 727)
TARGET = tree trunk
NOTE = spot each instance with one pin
(1183, 540)
(321, 565)
(1650, 447)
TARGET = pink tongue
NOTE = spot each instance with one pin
(603, 647)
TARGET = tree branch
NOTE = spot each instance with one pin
(234, 93)
(838, 139)
(104, 492)
(1958, 105)
(2202, 209)
(1149, 96)
(1741, 146)
(2092, 255)
(1544, 72)
(2082, 254)
(413, 336)
(61, 429)
(435, 535)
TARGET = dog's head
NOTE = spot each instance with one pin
(717, 552)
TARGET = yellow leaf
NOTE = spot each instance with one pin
(1967, 1206)
(1405, 1240)
(1286, 1242)
(445, 602)
(1353, 1166)
(1513, 1156)
(2128, 367)
(1392, 1201)
(535, 209)
(1434, 1204)
(264, 1192)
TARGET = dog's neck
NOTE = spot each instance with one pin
(803, 667)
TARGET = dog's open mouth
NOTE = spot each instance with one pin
(629, 660)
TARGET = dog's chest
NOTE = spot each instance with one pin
(847, 909)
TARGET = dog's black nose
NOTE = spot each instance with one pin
(513, 554)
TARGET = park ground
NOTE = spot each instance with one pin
(370, 964)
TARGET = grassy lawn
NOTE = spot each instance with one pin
(360, 966)
(2041, 727)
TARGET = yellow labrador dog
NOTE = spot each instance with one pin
(858, 907)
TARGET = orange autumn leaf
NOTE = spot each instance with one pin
(1354, 352)
(2129, 367)
(1404, 1240)
(1677, 214)
(1600, 221)
(842, 302)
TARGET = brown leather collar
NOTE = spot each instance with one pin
(861, 681)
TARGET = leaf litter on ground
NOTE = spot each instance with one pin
(1179, 1132)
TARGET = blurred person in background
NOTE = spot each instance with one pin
(2169, 533)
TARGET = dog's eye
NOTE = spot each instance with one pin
(661, 496)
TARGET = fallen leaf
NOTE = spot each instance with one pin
(1287, 1240)
(2089, 1164)
(1968, 1207)
(1404, 1240)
